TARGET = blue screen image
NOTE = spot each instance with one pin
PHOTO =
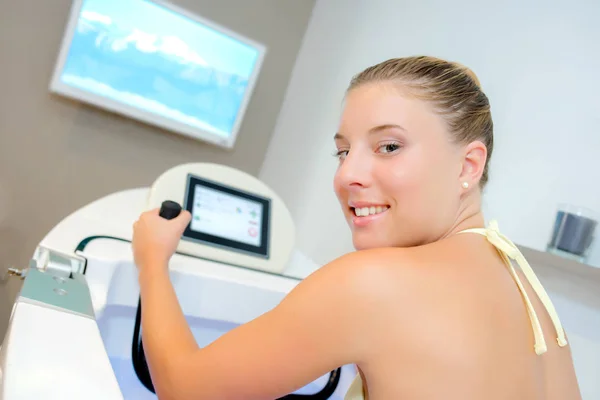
(147, 56)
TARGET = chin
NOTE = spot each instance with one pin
(363, 242)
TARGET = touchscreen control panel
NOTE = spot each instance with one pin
(226, 217)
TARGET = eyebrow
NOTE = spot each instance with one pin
(374, 130)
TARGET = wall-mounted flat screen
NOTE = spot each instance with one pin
(160, 64)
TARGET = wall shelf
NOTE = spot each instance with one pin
(546, 259)
(565, 276)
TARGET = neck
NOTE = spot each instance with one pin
(469, 215)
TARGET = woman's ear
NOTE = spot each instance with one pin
(475, 156)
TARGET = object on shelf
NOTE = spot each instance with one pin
(573, 232)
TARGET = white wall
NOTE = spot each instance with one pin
(538, 61)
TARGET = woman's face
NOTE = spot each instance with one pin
(399, 175)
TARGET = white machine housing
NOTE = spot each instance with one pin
(70, 333)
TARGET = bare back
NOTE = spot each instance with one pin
(465, 330)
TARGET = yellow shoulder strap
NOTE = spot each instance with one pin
(509, 251)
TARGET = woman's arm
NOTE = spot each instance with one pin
(314, 330)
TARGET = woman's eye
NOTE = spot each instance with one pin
(341, 154)
(389, 147)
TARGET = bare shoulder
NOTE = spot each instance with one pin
(374, 286)
(364, 274)
(368, 303)
(365, 282)
(372, 274)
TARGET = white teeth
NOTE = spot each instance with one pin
(364, 211)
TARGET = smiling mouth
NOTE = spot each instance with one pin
(366, 211)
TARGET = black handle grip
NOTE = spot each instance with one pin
(169, 209)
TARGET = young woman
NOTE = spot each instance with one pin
(428, 307)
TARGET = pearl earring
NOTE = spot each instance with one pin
(465, 185)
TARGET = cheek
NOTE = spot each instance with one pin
(400, 185)
(406, 175)
(440, 184)
(398, 179)
(416, 180)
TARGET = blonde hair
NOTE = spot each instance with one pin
(453, 89)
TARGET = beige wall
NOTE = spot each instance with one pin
(57, 155)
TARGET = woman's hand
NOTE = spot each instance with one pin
(155, 239)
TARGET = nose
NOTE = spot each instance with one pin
(355, 171)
